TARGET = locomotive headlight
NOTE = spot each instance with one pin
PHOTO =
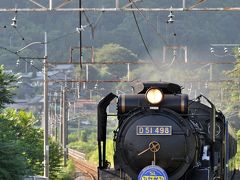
(154, 96)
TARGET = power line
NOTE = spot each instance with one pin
(151, 25)
(140, 33)
(156, 31)
(25, 60)
(61, 37)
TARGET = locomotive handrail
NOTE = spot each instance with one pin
(102, 129)
(212, 132)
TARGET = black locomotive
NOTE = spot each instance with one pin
(160, 127)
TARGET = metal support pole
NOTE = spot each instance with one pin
(86, 72)
(50, 122)
(56, 120)
(184, 4)
(185, 55)
(26, 67)
(90, 94)
(74, 108)
(92, 54)
(78, 131)
(61, 117)
(78, 90)
(117, 4)
(128, 72)
(80, 33)
(64, 128)
(65, 77)
(210, 72)
(45, 91)
(50, 5)
(164, 54)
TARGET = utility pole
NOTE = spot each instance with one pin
(61, 117)
(128, 71)
(174, 48)
(45, 107)
(65, 127)
(80, 33)
(56, 119)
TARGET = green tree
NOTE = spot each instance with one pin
(115, 53)
(6, 87)
(12, 163)
(18, 129)
(233, 99)
(227, 94)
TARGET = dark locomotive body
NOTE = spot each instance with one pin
(189, 140)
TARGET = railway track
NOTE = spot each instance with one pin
(81, 164)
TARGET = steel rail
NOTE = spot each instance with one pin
(81, 163)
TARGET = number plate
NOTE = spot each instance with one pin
(154, 130)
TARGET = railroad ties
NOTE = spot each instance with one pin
(86, 170)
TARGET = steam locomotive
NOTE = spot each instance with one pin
(163, 135)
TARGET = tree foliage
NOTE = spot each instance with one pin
(233, 100)
(24, 143)
(12, 164)
(6, 87)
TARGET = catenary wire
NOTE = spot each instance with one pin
(151, 25)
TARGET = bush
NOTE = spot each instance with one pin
(68, 172)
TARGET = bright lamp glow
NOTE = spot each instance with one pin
(154, 96)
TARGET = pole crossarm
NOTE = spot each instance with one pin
(202, 62)
(207, 9)
(98, 63)
(135, 81)
(221, 45)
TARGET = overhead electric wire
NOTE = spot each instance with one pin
(151, 25)
(19, 34)
(61, 37)
(25, 60)
(140, 33)
(143, 41)
(92, 25)
(146, 48)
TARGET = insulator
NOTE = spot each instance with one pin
(14, 24)
(170, 20)
(225, 50)
(14, 19)
(171, 15)
(212, 50)
(206, 85)
(17, 62)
